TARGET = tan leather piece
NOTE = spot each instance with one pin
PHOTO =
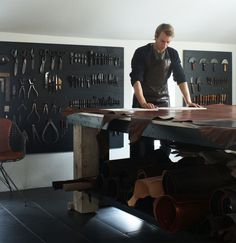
(151, 186)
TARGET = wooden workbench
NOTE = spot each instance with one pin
(187, 126)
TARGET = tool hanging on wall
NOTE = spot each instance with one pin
(43, 54)
(214, 62)
(198, 81)
(50, 133)
(32, 89)
(35, 134)
(21, 89)
(32, 58)
(33, 115)
(225, 64)
(193, 62)
(4, 59)
(203, 62)
(24, 62)
(15, 57)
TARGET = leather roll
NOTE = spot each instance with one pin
(118, 188)
(147, 187)
(197, 179)
(175, 213)
(216, 224)
(223, 201)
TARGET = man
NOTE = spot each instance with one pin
(152, 65)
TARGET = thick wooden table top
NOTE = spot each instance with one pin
(213, 126)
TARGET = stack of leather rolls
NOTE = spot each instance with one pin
(181, 195)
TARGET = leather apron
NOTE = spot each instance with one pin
(155, 88)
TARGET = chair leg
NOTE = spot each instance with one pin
(6, 179)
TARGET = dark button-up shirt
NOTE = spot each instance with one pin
(142, 57)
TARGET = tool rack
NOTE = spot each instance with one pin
(38, 81)
(209, 76)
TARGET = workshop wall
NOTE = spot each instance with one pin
(38, 81)
(39, 170)
(209, 76)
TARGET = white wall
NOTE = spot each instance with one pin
(39, 170)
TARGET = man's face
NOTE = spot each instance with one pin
(162, 41)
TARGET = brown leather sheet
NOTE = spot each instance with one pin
(217, 123)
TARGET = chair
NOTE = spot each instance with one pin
(12, 149)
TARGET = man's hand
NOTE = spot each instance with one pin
(191, 104)
(148, 106)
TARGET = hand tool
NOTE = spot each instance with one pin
(214, 61)
(199, 81)
(34, 112)
(35, 134)
(46, 78)
(2, 85)
(25, 135)
(53, 59)
(24, 63)
(7, 91)
(193, 62)
(21, 109)
(225, 64)
(32, 58)
(60, 54)
(192, 85)
(15, 56)
(45, 109)
(203, 61)
(72, 58)
(54, 138)
(4, 59)
(58, 83)
(42, 53)
(13, 92)
(32, 88)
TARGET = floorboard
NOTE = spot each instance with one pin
(45, 218)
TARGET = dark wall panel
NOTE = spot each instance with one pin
(38, 81)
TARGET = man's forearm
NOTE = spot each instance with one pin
(185, 92)
(138, 91)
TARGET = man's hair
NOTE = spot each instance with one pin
(166, 28)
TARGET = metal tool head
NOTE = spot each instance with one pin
(203, 61)
(225, 61)
(198, 80)
(4, 59)
(214, 61)
(192, 60)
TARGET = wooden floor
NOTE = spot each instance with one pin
(45, 218)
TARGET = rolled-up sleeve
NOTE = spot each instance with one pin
(137, 67)
(177, 69)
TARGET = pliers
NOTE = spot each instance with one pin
(31, 87)
(22, 89)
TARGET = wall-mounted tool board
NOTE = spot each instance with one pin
(38, 81)
(209, 76)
